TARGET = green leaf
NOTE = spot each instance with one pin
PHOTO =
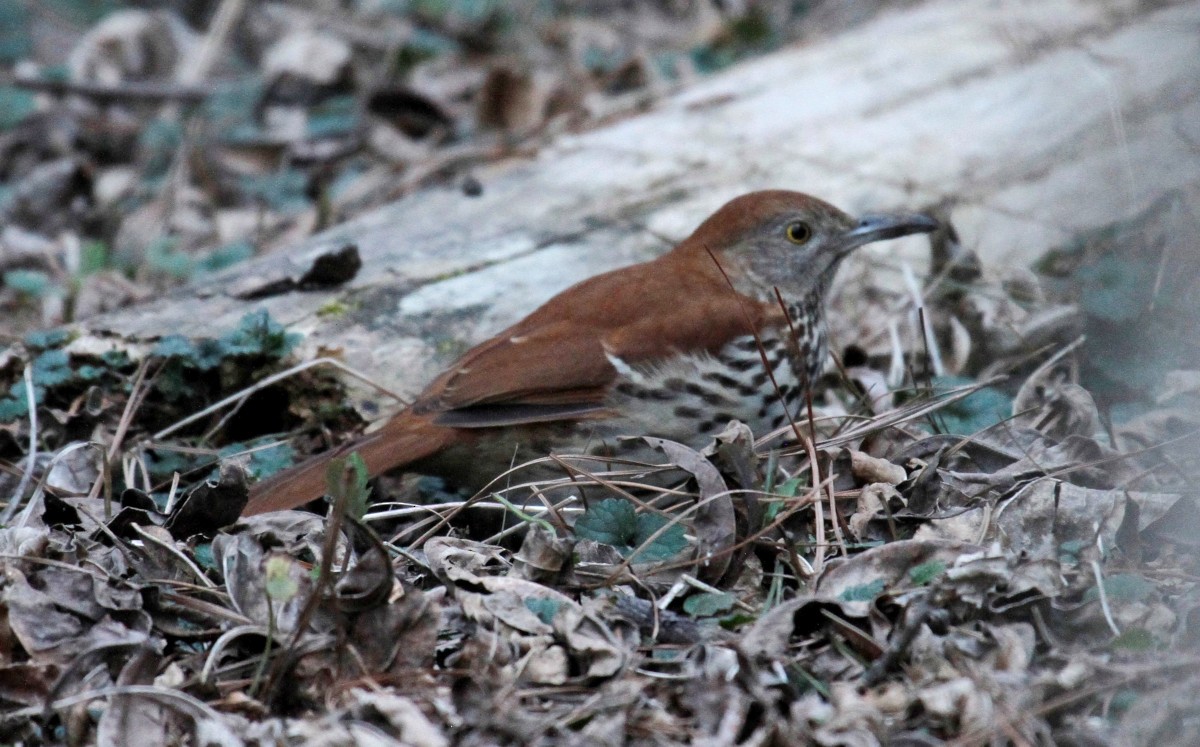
(17, 392)
(54, 358)
(667, 545)
(1116, 288)
(787, 490)
(979, 410)
(545, 609)
(88, 372)
(611, 521)
(1073, 547)
(49, 338)
(157, 144)
(333, 308)
(231, 108)
(172, 382)
(161, 255)
(1135, 639)
(13, 408)
(82, 13)
(163, 463)
(264, 462)
(174, 346)
(349, 475)
(521, 514)
(286, 190)
(1123, 587)
(1122, 701)
(743, 35)
(614, 521)
(665, 654)
(226, 256)
(15, 40)
(208, 353)
(925, 572)
(93, 257)
(333, 117)
(864, 593)
(280, 586)
(52, 368)
(736, 620)
(115, 358)
(15, 105)
(259, 335)
(708, 604)
(59, 73)
(30, 282)
(203, 553)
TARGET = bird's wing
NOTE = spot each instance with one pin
(557, 362)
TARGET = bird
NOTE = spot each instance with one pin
(675, 347)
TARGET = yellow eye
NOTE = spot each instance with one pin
(799, 232)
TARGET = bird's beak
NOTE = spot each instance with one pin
(887, 226)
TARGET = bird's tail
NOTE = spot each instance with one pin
(405, 439)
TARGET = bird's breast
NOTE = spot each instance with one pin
(689, 398)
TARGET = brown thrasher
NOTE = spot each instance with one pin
(669, 347)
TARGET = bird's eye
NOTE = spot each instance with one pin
(799, 232)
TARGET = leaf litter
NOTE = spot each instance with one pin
(987, 533)
(943, 572)
(146, 145)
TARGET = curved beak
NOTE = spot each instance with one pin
(881, 227)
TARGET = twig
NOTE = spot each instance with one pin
(205, 55)
(762, 351)
(555, 510)
(31, 459)
(908, 412)
(895, 376)
(932, 353)
(172, 549)
(818, 511)
(1186, 666)
(521, 514)
(1108, 618)
(913, 622)
(812, 498)
(691, 580)
(136, 394)
(124, 91)
(488, 489)
(333, 530)
(217, 649)
(245, 393)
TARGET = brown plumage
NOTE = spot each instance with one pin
(666, 347)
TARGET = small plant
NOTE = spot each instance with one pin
(614, 521)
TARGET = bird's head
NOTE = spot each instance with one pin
(790, 240)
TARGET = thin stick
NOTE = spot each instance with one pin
(333, 529)
(273, 378)
(205, 56)
(136, 394)
(691, 580)
(1104, 607)
(31, 460)
(909, 412)
(932, 353)
(124, 91)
